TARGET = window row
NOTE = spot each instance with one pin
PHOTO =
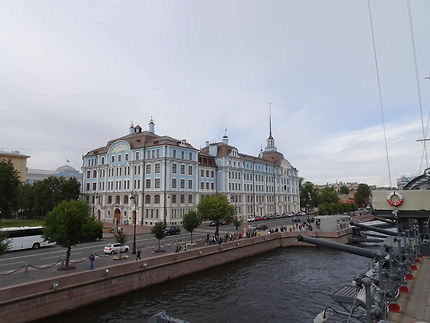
(211, 185)
(202, 173)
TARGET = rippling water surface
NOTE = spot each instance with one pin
(284, 285)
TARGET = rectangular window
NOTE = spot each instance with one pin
(182, 183)
(212, 174)
(138, 170)
(148, 183)
(202, 185)
(190, 199)
(94, 173)
(207, 173)
(157, 168)
(148, 168)
(119, 158)
(182, 169)
(190, 184)
(212, 185)
(157, 183)
(153, 154)
(113, 159)
(173, 199)
(88, 186)
(138, 184)
(174, 168)
(182, 154)
(88, 174)
(207, 186)
(158, 153)
(182, 199)
(190, 170)
(94, 186)
(174, 153)
(191, 156)
(137, 155)
(126, 156)
(103, 160)
(202, 173)
(174, 182)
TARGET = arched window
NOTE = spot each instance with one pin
(125, 199)
(117, 199)
(147, 199)
(157, 199)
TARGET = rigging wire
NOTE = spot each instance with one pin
(418, 83)
(379, 90)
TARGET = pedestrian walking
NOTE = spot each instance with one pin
(138, 252)
(91, 258)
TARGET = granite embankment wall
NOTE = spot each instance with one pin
(39, 299)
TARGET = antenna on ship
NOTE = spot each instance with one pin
(425, 139)
(381, 105)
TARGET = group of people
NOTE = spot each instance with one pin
(217, 239)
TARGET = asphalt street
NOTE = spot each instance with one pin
(43, 263)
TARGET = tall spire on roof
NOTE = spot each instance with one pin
(270, 141)
(270, 119)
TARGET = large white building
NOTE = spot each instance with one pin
(167, 178)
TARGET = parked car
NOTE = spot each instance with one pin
(225, 222)
(172, 230)
(112, 248)
(258, 218)
(251, 219)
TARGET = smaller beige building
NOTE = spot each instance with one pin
(18, 160)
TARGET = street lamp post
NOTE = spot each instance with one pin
(133, 197)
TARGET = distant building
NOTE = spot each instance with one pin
(402, 181)
(66, 171)
(167, 178)
(18, 160)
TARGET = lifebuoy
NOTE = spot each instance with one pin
(393, 203)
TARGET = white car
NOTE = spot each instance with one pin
(112, 248)
(251, 219)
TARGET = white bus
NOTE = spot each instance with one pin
(25, 238)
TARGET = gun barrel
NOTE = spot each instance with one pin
(340, 246)
(376, 229)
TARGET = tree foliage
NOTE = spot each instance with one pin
(328, 195)
(158, 230)
(191, 221)
(70, 223)
(308, 194)
(9, 188)
(120, 237)
(38, 199)
(215, 208)
(344, 190)
(362, 195)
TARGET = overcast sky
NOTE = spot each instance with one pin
(74, 74)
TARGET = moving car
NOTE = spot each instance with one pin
(172, 230)
(112, 248)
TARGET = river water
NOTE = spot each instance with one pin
(284, 285)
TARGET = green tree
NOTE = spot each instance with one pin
(26, 200)
(158, 230)
(236, 223)
(308, 194)
(51, 191)
(328, 195)
(68, 224)
(362, 195)
(9, 187)
(215, 208)
(344, 190)
(191, 221)
(120, 237)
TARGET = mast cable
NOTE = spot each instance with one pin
(379, 90)
(418, 83)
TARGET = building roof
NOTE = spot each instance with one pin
(144, 139)
(14, 153)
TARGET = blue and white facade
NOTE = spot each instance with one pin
(167, 177)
